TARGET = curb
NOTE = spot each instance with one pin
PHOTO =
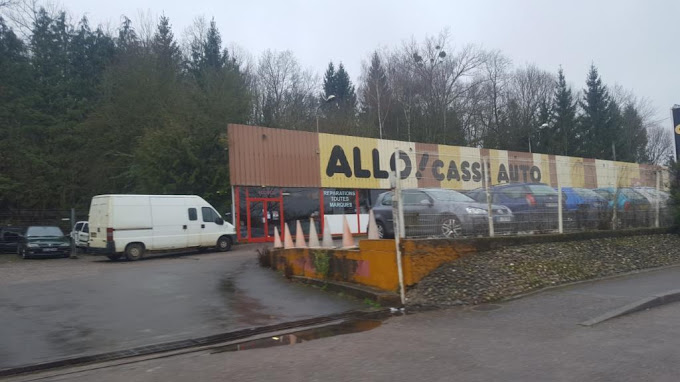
(189, 343)
(643, 304)
(383, 298)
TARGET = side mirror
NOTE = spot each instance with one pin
(219, 221)
(426, 202)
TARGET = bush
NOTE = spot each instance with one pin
(264, 257)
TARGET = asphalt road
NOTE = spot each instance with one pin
(535, 338)
(55, 308)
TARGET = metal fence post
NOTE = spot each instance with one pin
(658, 186)
(397, 217)
(560, 224)
(487, 180)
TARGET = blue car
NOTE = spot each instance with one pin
(584, 208)
(632, 208)
(534, 205)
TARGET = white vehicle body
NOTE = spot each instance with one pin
(81, 234)
(133, 224)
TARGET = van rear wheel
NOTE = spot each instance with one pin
(134, 251)
(224, 244)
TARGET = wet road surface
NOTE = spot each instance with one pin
(56, 308)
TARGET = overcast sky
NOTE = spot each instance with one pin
(633, 43)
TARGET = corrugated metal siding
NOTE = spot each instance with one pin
(260, 156)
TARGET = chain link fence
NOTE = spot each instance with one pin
(524, 194)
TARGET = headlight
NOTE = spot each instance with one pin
(64, 245)
(33, 245)
(475, 211)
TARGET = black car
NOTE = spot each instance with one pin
(9, 238)
(43, 241)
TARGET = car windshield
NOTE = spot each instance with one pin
(43, 231)
(630, 194)
(541, 190)
(449, 196)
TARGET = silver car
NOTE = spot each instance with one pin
(440, 212)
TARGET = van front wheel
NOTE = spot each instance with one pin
(134, 251)
(224, 244)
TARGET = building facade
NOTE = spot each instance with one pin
(281, 176)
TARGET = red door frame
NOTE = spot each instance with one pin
(264, 201)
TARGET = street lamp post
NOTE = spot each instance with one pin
(543, 126)
(325, 101)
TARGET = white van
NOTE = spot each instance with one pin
(130, 225)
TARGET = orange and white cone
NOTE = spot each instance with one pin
(347, 240)
(299, 236)
(372, 227)
(313, 236)
(327, 241)
(277, 238)
(287, 239)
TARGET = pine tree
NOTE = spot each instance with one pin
(376, 97)
(164, 45)
(596, 131)
(632, 143)
(562, 122)
(342, 110)
(329, 81)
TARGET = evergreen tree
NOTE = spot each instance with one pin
(376, 98)
(562, 122)
(342, 110)
(164, 45)
(632, 143)
(596, 126)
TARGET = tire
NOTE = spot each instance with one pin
(115, 257)
(134, 251)
(23, 253)
(451, 227)
(223, 243)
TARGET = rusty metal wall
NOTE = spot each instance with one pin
(261, 156)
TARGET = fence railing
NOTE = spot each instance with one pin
(461, 196)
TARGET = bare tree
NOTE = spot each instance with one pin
(659, 144)
(22, 14)
(375, 94)
(285, 94)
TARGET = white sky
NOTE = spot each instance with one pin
(633, 43)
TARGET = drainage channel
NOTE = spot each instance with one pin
(347, 318)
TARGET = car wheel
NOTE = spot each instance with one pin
(134, 251)
(451, 227)
(224, 244)
(23, 252)
(115, 257)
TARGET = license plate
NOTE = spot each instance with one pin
(504, 219)
(49, 249)
(551, 204)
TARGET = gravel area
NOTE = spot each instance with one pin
(496, 274)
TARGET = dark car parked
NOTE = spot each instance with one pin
(39, 241)
(439, 212)
(534, 205)
(632, 208)
(584, 208)
(9, 238)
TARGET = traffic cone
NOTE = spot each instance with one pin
(372, 227)
(327, 241)
(299, 236)
(287, 239)
(347, 240)
(313, 236)
(277, 238)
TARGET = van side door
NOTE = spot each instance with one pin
(193, 226)
(210, 230)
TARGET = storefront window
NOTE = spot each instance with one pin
(301, 204)
(338, 201)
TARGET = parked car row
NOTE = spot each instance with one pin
(520, 207)
(35, 241)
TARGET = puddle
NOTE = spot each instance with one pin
(347, 327)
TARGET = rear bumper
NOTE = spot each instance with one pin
(38, 252)
(110, 249)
